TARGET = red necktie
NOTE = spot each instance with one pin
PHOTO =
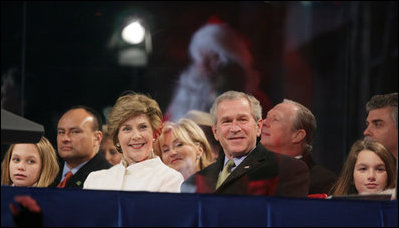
(63, 182)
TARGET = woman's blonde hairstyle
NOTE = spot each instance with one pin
(188, 132)
(133, 104)
(345, 183)
(49, 169)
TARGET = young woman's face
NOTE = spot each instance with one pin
(370, 175)
(25, 165)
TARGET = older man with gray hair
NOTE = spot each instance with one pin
(245, 167)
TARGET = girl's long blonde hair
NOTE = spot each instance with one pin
(49, 169)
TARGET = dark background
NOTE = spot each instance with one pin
(330, 56)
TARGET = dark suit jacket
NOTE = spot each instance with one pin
(96, 163)
(261, 173)
(321, 178)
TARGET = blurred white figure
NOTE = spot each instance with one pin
(221, 61)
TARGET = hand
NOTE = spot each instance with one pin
(26, 211)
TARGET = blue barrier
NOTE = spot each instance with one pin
(75, 207)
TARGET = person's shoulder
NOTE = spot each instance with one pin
(165, 173)
(105, 172)
(323, 171)
(157, 165)
(259, 153)
(286, 160)
(96, 178)
(99, 161)
(210, 169)
(272, 159)
(166, 170)
(169, 170)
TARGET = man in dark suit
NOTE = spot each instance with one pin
(78, 141)
(289, 128)
(245, 167)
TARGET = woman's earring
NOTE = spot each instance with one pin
(198, 157)
(152, 155)
(118, 147)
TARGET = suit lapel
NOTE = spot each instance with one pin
(252, 161)
(80, 176)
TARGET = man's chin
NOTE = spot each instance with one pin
(237, 153)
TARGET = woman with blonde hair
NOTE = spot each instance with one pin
(134, 124)
(184, 147)
(369, 169)
(30, 165)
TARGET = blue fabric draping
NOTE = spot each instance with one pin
(76, 207)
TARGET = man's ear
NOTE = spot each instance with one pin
(298, 136)
(214, 132)
(259, 125)
(98, 136)
(200, 150)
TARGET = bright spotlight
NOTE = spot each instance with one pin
(131, 40)
(133, 33)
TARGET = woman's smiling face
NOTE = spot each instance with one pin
(136, 138)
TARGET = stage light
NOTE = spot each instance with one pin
(133, 33)
(131, 39)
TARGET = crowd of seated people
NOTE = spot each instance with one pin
(176, 156)
(229, 150)
(212, 140)
(180, 152)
